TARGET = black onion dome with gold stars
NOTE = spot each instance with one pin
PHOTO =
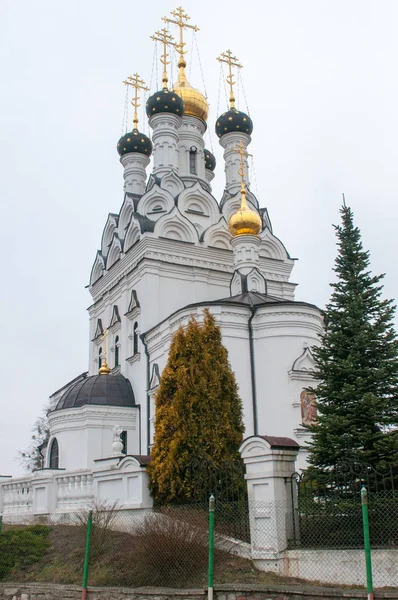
(134, 141)
(233, 120)
(210, 160)
(165, 101)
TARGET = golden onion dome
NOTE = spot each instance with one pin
(245, 221)
(195, 104)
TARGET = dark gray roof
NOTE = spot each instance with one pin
(103, 390)
(249, 299)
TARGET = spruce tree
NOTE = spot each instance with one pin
(198, 414)
(357, 364)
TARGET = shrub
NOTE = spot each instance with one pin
(22, 547)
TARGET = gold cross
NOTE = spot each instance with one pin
(167, 40)
(104, 336)
(242, 151)
(180, 20)
(228, 58)
(137, 84)
(104, 369)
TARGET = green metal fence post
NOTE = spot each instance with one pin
(87, 554)
(1, 523)
(211, 548)
(366, 538)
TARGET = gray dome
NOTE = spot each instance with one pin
(102, 390)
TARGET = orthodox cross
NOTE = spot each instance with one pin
(242, 151)
(228, 58)
(137, 84)
(167, 40)
(104, 336)
(180, 20)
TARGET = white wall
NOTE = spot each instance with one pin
(85, 434)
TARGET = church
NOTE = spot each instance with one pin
(172, 251)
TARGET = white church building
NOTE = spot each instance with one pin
(172, 251)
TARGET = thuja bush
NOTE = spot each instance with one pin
(198, 417)
(22, 547)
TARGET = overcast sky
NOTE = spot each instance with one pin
(321, 82)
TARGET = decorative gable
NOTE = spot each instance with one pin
(155, 378)
(115, 317)
(172, 183)
(304, 366)
(99, 331)
(134, 304)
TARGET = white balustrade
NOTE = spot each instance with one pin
(17, 497)
(74, 491)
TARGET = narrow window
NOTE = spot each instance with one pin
(123, 439)
(117, 351)
(54, 455)
(100, 358)
(192, 160)
(135, 338)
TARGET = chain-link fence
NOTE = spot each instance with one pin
(160, 547)
(170, 546)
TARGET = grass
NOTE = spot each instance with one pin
(162, 550)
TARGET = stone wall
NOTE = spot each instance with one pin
(32, 591)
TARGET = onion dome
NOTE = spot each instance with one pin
(234, 120)
(245, 221)
(210, 160)
(164, 101)
(195, 104)
(134, 141)
(112, 390)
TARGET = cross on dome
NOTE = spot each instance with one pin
(137, 84)
(231, 60)
(166, 39)
(180, 20)
(104, 369)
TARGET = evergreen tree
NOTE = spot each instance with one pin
(357, 364)
(198, 414)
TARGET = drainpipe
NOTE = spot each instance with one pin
(253, 310)
(148, 382)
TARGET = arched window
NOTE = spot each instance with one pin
(100, 358)
(192, 159)
(135, 338)
(53, 462)
(117, 351)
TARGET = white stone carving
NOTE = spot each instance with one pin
(217, 235)
(155, 203)
(97, 268)
(271, 246)
(256, 282)
(107, 235)
(125, 215)
(114, 251)
(172, 183)
(175, 226)
(165, 142)
(133, 234)
(117, 444)
(199, 205)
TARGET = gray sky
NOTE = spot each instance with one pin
(321, 81)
